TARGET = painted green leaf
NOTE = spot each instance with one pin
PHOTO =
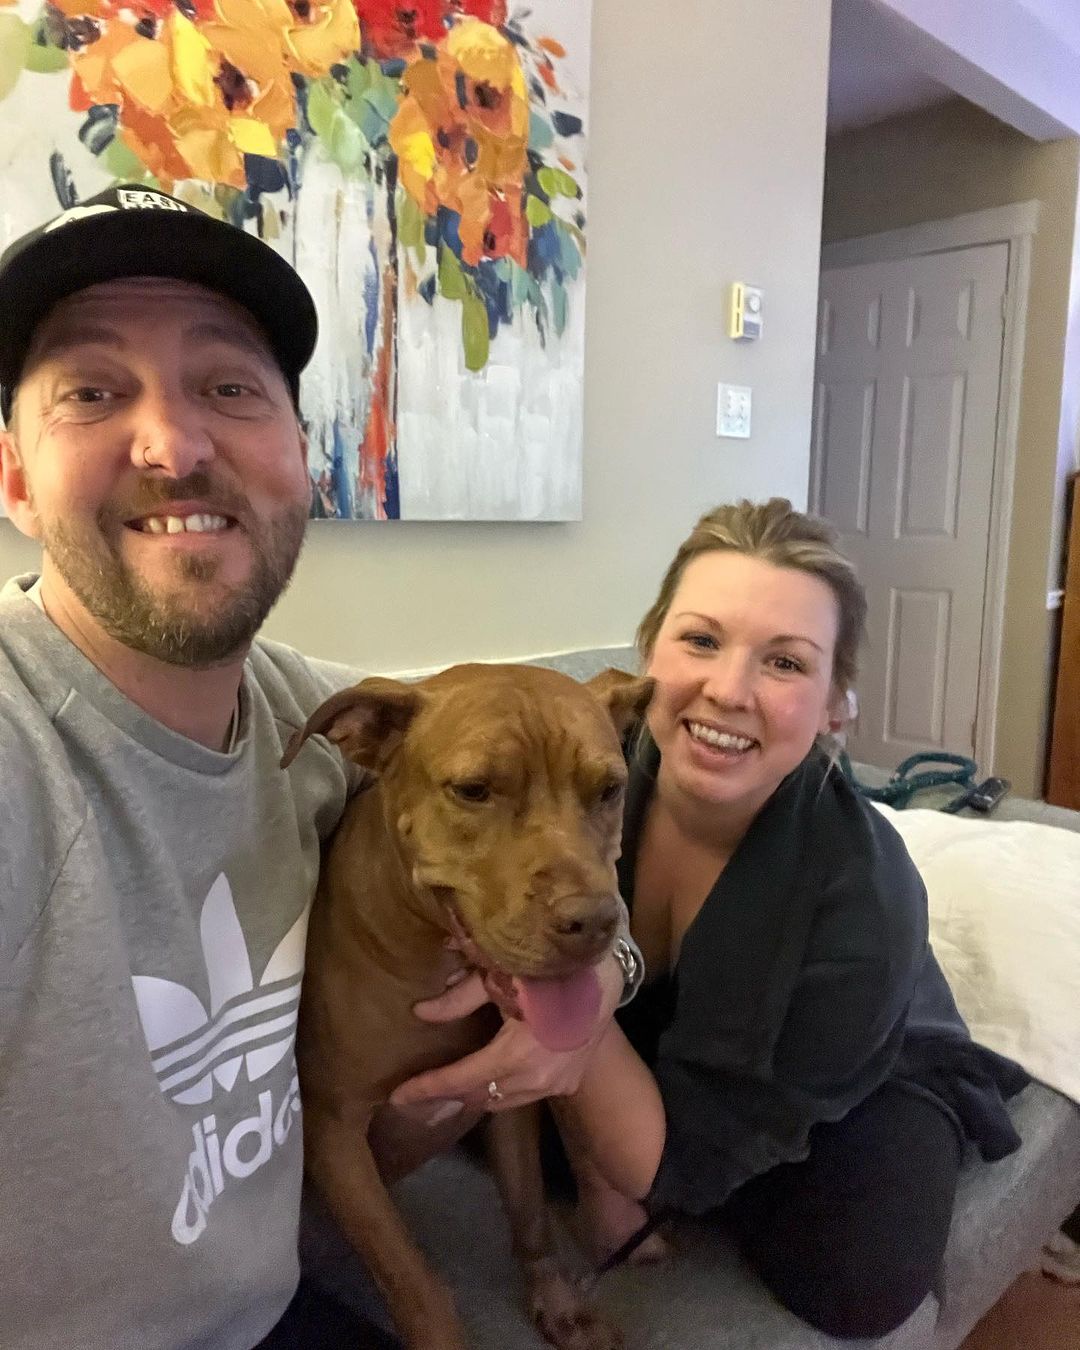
(577, 234)
(519, 284)
(373, 126)
(384, 95)
(474, 332)
(322, 108)
(346, 145)
(559, 307)
(540, 305)
(14, 51)
(45, 57)
(451, 278)
(358, 80)
(121, 162)
(410, 224)
(373, 99)
(536, 212)
(557, 182)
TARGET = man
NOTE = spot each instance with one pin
(156, 865)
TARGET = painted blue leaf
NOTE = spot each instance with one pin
(541, 136)
(569, 256)
(566, 124)
(99, 128)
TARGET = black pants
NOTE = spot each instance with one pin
(315, 1320)
(851, 1239)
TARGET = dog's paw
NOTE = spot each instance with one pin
(566, 1321)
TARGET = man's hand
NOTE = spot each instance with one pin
(520, 1067)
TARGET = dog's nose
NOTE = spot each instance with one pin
(582, 921)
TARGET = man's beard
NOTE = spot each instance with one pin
(164, 626)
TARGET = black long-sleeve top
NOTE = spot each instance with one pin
(805, 982)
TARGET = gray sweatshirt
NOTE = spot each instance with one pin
(153, 908)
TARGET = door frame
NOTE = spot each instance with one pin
(1014, 225)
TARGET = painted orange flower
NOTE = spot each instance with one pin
(461, 135)
(197, 95)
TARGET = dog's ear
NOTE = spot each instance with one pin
(366, 722)
(625, 696)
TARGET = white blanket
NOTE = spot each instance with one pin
(1005, 926)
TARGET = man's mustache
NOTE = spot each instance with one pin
(152, 495)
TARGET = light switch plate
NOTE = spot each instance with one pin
(733, 403)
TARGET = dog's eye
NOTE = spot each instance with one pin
(610, 793)
(471, 790)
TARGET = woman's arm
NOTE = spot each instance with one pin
(617, 1116)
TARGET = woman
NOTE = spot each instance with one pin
(795, 1061)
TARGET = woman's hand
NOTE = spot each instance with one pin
(521, 1069)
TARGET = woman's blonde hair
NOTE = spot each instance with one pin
(776, 533)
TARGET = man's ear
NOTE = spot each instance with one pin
(367, 722)
(625, 696)
(15, 488)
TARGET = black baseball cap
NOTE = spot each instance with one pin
(134, 231)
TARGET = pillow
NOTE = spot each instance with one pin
(1004, 901)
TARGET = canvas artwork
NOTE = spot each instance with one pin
(422, 165)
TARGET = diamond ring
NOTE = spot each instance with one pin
(494, 1094)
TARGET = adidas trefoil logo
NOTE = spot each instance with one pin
(194, 1047)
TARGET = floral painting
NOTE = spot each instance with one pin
(423, 167)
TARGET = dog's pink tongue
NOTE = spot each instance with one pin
(560, 1013)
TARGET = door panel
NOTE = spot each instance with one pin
(847, 415)
(917, 666)
(931, 418)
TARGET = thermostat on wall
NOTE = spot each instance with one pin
(744, 318)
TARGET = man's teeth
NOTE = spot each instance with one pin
(723, 740)
(201, 524)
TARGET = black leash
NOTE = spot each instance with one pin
(628, 1248)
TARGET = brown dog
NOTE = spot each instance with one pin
(489, 838)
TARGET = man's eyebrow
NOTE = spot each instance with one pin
(719, 628)
(232, 335)
(70, 335)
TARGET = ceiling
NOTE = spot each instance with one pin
(871, 75)
(1061, 17)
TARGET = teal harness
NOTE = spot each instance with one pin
(906, 782)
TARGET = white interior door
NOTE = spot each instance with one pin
(905, 422)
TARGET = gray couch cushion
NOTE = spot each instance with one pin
(706, 1298)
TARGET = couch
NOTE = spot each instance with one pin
(705, 1297)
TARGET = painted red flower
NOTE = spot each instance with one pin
(392, 28)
